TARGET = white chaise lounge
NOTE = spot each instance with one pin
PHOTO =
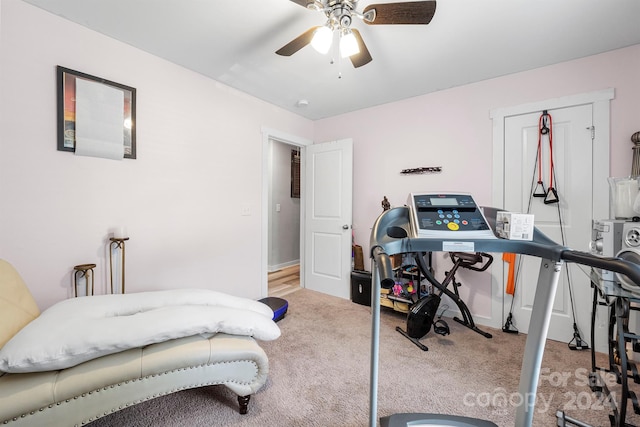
(51, 384)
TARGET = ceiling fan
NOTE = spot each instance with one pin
(340, 14)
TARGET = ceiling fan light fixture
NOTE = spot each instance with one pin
(322, 38)
(348, 43)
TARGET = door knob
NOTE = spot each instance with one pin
(345, 227)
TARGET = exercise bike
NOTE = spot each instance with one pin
(422, 313)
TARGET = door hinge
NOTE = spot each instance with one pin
(593, 131)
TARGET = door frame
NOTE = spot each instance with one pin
(285, 138)
(600, 101)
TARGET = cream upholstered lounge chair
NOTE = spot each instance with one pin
(83, 393)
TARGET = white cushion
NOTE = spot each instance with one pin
(80, 329)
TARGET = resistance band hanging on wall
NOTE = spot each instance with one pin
(510, 258)
(545, 128)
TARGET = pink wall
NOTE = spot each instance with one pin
(452, 129)
(199, 157)
(199, 163)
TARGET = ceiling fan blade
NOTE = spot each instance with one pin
(298, 43)
(363, 57)
(412, 12)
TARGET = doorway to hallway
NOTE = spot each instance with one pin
(285, 281)
(284, 205)
(325, 212)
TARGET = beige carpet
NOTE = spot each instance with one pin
(319, 376)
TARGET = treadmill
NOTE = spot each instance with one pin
(437, 222)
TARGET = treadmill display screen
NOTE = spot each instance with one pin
(448, 215)
(445, 201)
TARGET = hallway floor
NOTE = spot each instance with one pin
(284, 281)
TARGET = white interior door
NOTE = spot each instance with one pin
(328, 216)
(572, 157)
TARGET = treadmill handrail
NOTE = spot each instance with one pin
(387, 239)
(617, 265)
(541, 246)
(385, 268)
(393, 219)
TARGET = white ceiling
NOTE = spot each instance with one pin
(233, 42)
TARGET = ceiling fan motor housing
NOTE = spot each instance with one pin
(345, 20)
(339, 14)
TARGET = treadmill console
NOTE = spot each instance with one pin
(447, 216)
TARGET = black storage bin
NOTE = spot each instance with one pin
(361, 287)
